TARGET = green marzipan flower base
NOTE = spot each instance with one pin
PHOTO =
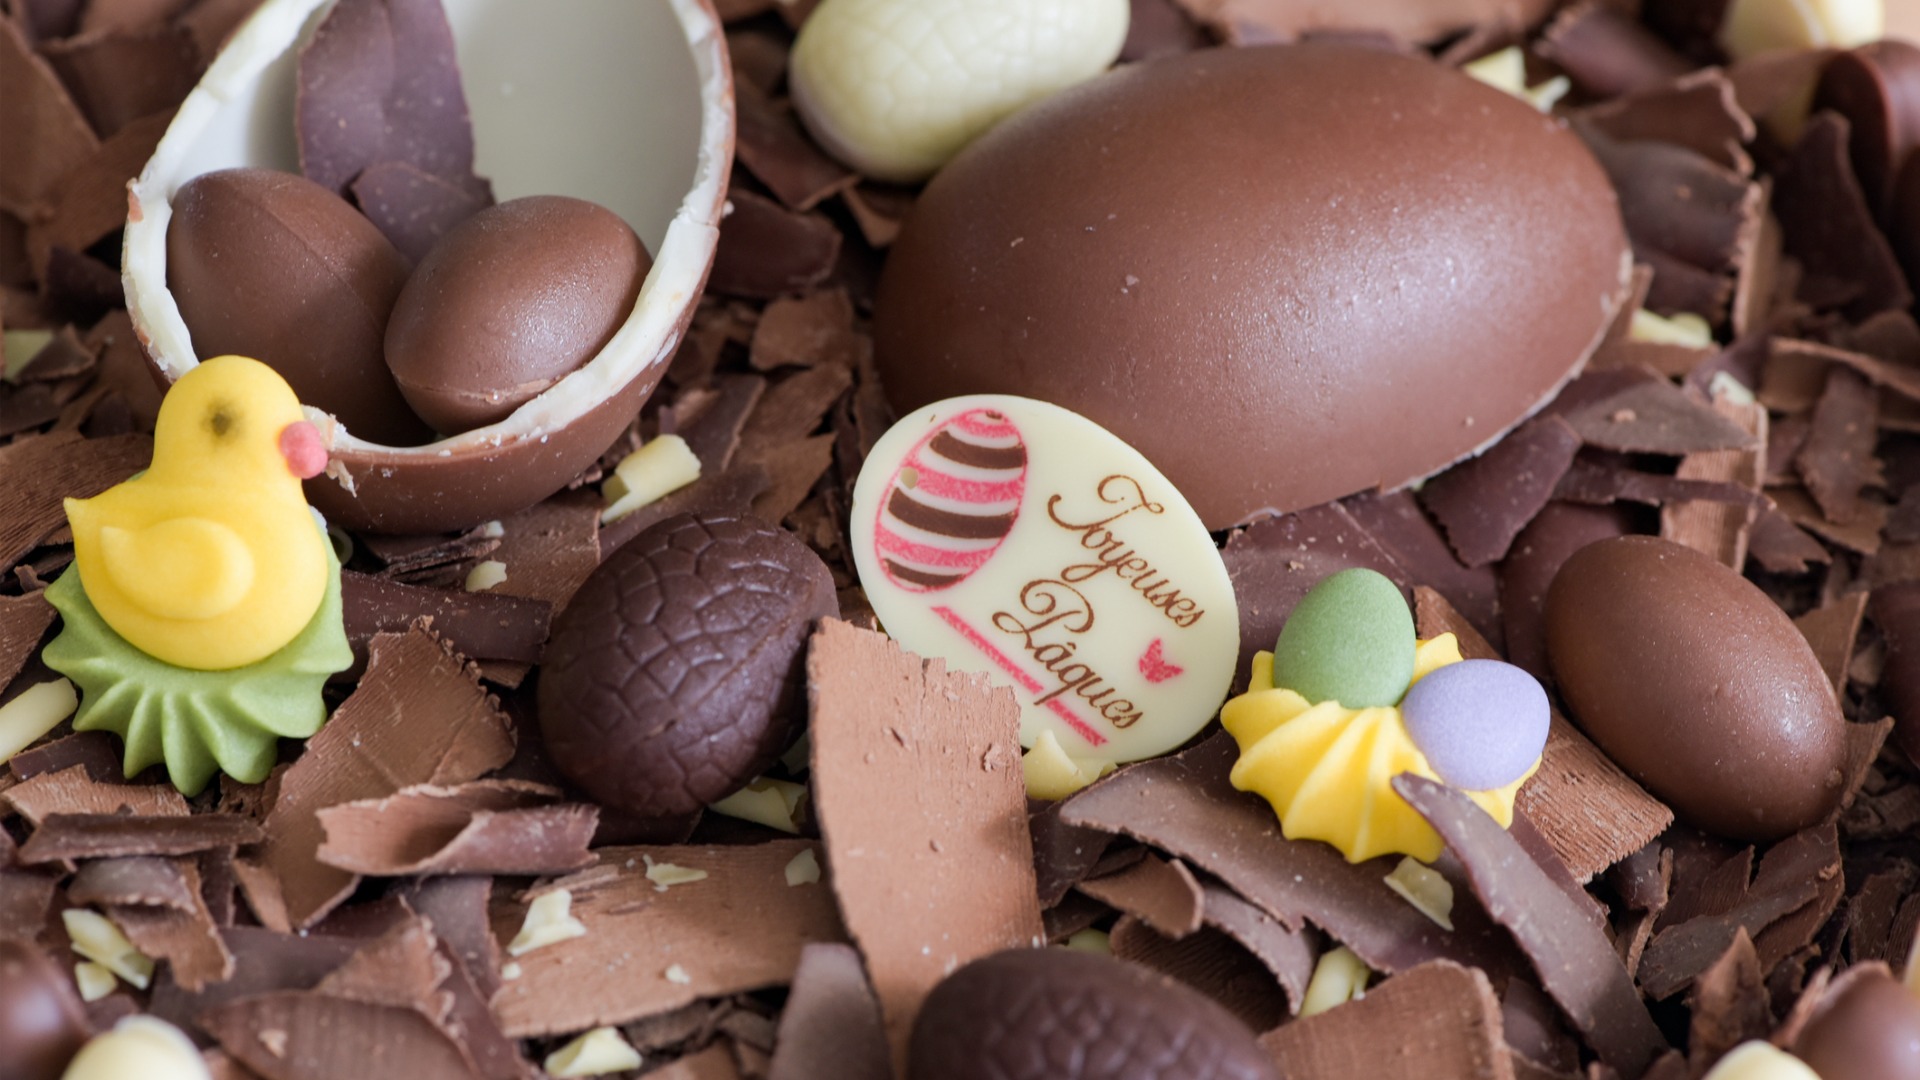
(197, 722)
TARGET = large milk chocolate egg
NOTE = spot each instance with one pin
(1697, 684)
(1867, 1027)
(273, 266)
(508, 303)
(1283, 274)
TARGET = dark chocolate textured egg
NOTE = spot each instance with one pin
(674, 676)
(508, 303)
(1059, 1014)
(1697, 684)
(1284, 274)
(273, 266)
(1867, 1028)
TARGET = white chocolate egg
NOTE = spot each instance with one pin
(896, 87)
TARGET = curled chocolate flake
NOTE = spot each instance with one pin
(1484, 503)
(1830, 228)
(1444, 1020)
(1607, 53)
(1698, 111)
(767, 250)
(1575, 961)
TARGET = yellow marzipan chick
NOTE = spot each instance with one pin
(210, 559)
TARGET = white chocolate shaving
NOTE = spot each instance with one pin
(1423, 887)
(549, 920)
(650, 473)
(34, 713)
(803, 869)
(773, 803)
(666, 875)
(1338, 978)
(97, 939)
(93, 981)
(485, 575)
(599, 1051)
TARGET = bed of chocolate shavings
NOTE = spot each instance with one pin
(636, 932)
(767, 250)
(43, 471)
(920, 799)
(417, 717)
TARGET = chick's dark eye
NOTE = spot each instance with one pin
(220, 419)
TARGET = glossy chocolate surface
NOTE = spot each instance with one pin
(42, 1024)
(508, 303)
(273, 266)
(1284, 274)
(1697, 684)
(1057, 1014)
(1868, 1028)
(674, 676)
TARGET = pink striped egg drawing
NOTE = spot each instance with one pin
(952, 502)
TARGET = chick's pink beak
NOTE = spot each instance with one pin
(301, 445)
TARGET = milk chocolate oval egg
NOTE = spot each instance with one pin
(1697, 684)
(508, 303)
(1284, 274)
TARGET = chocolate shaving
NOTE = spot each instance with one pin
(264, 961)
(1597, 484)
(351, 114)
(1831, 631)
(417, 717)
(457, 909)
(1607, 53)
(1830, 229)
(878, 211)
(143, 880)
(1836, 460)
(918, 791)
(1657, 417)
(636, 932)
(1589, 812)
(1288, 954)
(1484, 503)
(118, 77)
(34, 104)
(39, 474)
(770, 144)
(1160, 893)
(767, 250)
(1719, 529)
(1697, 111)
(71, 791)
(1438, 1019)
(802, 331)
(1809, 855)
(1572, 956)
(1184, 805)
(1210, 962)
(1063, 855)
(1273, 562)
(1242, 22)
(97, 836)
(483, 827)
(1678, 955)
(414, 208)
(831, 1025)
(185, 937)
(1781, 547)
(1862, 534)
(296, 1036)
(478, 625)
(90, 203)
(23, 622)
(1729, 1004)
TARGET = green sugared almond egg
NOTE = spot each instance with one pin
(1350, 640)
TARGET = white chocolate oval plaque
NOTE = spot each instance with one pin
(1012, 537)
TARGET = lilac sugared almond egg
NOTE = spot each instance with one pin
(1481, 723)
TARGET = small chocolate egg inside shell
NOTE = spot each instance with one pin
(507, 304)
(42, 1024)
(674, 676)
(1867, 1028)
(1059, 1014)
(1698, 685)
(273, 266)
(1284, 274)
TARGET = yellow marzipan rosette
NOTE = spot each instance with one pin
(1328, 770)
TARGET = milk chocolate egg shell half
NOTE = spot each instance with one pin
(638, 120)
(1283, 274)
